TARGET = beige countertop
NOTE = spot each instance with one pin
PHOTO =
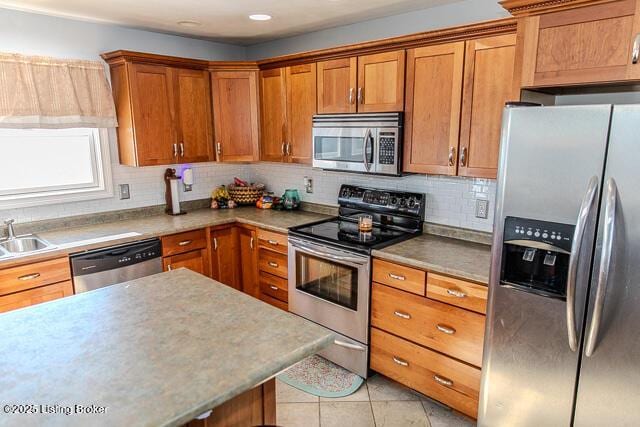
(156, 351)
(445, 255)
(77, 239)
(460, 258)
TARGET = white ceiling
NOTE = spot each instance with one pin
(224, 20)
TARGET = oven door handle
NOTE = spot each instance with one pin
(341, 259)
(367, 136)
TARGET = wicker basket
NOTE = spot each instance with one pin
(245, 195)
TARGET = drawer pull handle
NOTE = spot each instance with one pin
(635, 51)
(184, 243)
(29, 276)
(397, 276)
(444, 381)
(400, 362)
(445, 329)
(273, 264)
(402, 315)
(456, 293)
(275, 288)
(168, 267)
(273, 242)
(349, 345)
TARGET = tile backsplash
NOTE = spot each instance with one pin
(450, 200)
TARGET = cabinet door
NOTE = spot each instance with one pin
(224, 256)
(337, 86)
(194, 260)
(584, 45)
(301, 106)
(432, 108)
(35, 296)
(488, 84)
(235, 115)
(381, 82)
(152, 104)
(193, 101)
(249, 261)
(272, 115)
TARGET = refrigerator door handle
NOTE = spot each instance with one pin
(576, 247)
(605, 264)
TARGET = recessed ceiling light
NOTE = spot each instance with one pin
(189, 23)
(260, 17)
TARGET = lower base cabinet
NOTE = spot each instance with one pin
(445, 379)
(224, 248)
(35, 296)
(256, 407)
(194, 260)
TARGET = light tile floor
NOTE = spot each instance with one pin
(380, 402)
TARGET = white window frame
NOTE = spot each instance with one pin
(100, 188)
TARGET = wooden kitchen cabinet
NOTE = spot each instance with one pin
(368, 83)
(337, 84)
(488, 85)
(288, 103)
(35, 296)
(248, 243)
(273, 115)
(225, 261)
(301, 106)
(194, 128)
(578, 44)
(164, 112)
(193, 260)
(432, 108)
(235, 106)
(381, 82)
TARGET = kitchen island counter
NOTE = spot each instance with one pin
(156, 351)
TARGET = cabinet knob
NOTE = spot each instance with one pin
(175, 150)
(635, 52)
(182, 149)
(463, 156)
(218, 149)
(452, 154)
(360, 95)
(351, 95)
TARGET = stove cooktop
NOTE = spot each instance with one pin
(345, 233)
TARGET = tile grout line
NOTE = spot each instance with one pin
(373, 414)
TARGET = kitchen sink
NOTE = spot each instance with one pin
(23, 245)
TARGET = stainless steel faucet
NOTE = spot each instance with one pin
(10, 233)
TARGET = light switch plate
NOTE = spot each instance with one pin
(124, 192)
(308, 184)
(482, 208)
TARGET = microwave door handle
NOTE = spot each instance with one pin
(576, 246)
(605, 265)
(342, 259)
(367, 136)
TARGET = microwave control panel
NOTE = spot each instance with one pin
(387, 148)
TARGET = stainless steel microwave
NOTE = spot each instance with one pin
(365, 143)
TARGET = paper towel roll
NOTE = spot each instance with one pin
(175, 198)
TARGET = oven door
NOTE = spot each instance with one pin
(330, 286)
(348, 149)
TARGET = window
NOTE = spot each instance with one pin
(43, 166)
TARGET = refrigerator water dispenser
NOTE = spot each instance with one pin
(536, 256)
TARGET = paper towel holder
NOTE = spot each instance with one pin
(172, 198)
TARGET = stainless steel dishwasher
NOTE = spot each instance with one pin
(116, 264)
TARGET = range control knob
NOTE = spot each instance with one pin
(346, 192)
(393, 201)
(403, 202)
(412, 202)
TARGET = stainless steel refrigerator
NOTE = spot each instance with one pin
(562, 345)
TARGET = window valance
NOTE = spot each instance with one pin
(42, 92)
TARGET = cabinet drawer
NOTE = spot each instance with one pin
(273, 262)
(35, 296)
(274, 302)
(274, 286)
(457, 292)
(456, 332)
(184, 242)
(30, 276)
(398, 276)
(273, 241)
(440, 377)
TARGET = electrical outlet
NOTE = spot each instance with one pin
(308, 184)
(482, 208)
(124, 192)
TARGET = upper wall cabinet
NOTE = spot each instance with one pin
(574, 44)
(164, 113)
(369, 83)
(455, 96)
(235, 118)
(288, 103)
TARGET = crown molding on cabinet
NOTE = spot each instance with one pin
(536, 7)
(458, 33)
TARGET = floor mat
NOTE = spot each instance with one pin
(321, 377)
